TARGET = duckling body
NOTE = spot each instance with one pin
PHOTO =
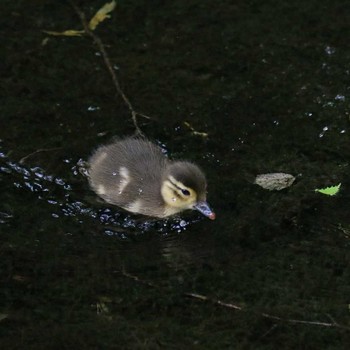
(135, 175)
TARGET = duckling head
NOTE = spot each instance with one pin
(184, 187)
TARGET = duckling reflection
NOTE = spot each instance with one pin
(135, 175)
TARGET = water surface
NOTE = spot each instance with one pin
(269, 83)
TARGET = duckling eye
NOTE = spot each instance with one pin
(185, 192)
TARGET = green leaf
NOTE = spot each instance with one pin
(329, 191)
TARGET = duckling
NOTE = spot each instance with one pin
(134, 174)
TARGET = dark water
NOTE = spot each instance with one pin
(269, 82)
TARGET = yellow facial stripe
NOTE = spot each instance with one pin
(178, 186)
(175, 199)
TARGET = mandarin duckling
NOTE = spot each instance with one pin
(134, 174)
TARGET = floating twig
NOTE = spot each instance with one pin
(22, 160)
(195, 132)
(107, 61)
(231, 306)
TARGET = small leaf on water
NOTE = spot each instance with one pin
(102, 14)
(195, 132)
(69, 32)
(329, 191)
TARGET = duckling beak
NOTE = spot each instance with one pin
(203, 207)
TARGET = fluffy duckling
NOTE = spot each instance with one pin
(135, 175)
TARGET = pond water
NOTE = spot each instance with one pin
(268, 83)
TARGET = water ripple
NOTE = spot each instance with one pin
(60, 195)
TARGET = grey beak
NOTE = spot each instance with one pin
(204, 208)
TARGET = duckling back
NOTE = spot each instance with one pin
(128, 173)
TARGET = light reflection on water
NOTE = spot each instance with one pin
(5, 217)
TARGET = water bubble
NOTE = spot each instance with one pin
(59, 181)
(5, 170)
(4, 216)
(183, 223)
(109, 232)
(339, 97)
(93, 108)
(323, 131)
(329, 50)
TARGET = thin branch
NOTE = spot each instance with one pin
(218, 302)
(135, 278)
(274, 326)
(22, 160)
(109, 66)
(315, 323)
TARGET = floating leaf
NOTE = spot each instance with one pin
(329, 191)
(274, 181)
(69, 32)
(102, 14)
